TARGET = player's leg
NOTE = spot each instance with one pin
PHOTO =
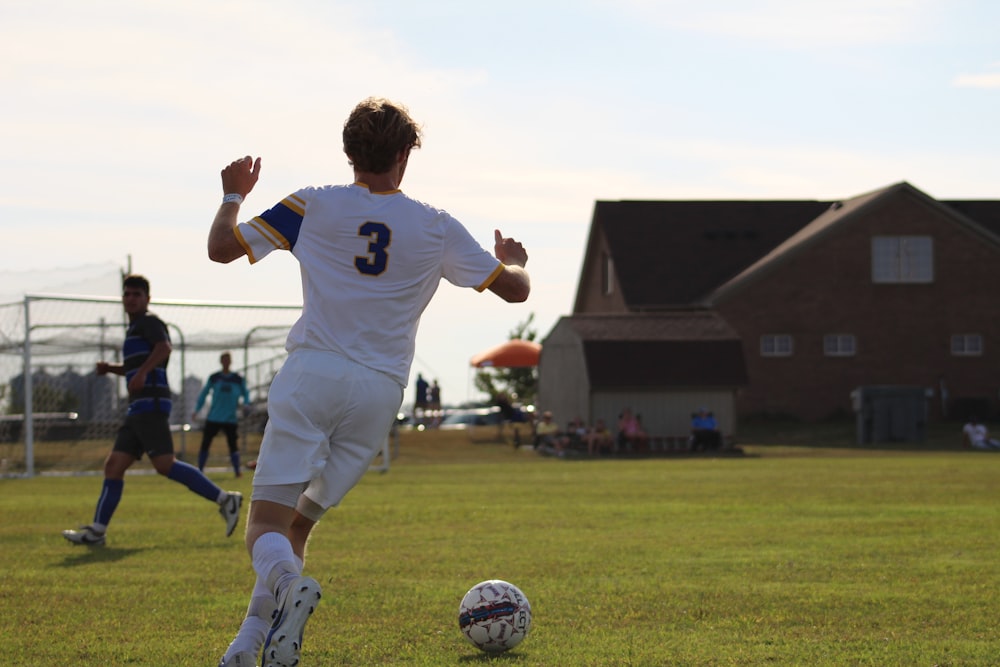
(359, 431)
(279, 573)
(230, 429)
(154, 432)
(263, 605)
(302, 526)
(290, 438)
(245, 647)
(275, 563)
(229, 502)
(123, 454)
(208, 432)
(328, 440)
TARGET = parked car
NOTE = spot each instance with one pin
(482, 424)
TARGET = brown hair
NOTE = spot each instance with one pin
(376, 131)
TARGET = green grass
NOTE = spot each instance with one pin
(819, 555)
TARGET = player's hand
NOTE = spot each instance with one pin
(509, 251)
(137, 382)
(102, 368)
(240, 176)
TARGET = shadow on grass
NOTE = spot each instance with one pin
(843, 433)
(484, 657)
(90, 555)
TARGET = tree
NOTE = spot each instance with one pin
(520, 384)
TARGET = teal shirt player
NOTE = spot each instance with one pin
(226, 390)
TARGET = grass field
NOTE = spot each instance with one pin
(799, 553)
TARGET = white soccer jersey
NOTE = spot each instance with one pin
(370, 264)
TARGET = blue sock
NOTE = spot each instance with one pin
(111, 493)
(194, 479)
(235, 458)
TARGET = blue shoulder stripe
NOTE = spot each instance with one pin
(283, 222)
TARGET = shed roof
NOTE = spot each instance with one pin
(665, 326)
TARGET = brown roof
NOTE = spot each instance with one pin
(836, 214)
(984, 212)
(694, 348)
(670, 254)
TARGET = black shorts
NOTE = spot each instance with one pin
(212, 429)
(146, 433)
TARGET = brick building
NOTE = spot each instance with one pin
(891, 287)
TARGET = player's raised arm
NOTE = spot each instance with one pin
(238, 179)
(513, 285)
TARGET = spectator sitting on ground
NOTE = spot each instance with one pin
(599, 439)
(549, 439)
(576, 431)
(704, 431)
(630, 432)
(975, 435)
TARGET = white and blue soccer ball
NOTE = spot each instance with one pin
(494, 616)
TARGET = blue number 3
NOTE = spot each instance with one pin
(374, 264)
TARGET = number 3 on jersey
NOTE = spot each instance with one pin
(375, 262)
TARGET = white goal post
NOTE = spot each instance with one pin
(57, 416)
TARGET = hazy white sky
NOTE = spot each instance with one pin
(117, 117)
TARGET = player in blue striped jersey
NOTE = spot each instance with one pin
(146, 429)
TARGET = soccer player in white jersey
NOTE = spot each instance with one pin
(371, 258)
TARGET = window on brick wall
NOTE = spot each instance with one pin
(776, 345)
(967, 345)
(839, 345)
(902, 259)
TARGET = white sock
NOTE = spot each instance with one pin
(253, 630)
(275, 562)
(258, 619)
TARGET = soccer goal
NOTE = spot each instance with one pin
(57, 416)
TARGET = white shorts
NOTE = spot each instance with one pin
(328, 417)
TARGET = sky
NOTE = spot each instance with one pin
(118, 116)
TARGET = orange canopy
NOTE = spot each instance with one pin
(512, 354)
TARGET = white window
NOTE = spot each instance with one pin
(967, 345)
(607, 275)
(839, 345)
(776, 345)
(902, 259)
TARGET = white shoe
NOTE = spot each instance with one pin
(230, 510)
(242, 659)
(86, 535)
(284, 641)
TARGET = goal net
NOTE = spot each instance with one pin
(58, 416)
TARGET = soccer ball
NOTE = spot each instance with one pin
(494, 616)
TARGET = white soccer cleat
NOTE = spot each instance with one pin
(242, 659)
(230, 510)
(86, 535)
(284, 641)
